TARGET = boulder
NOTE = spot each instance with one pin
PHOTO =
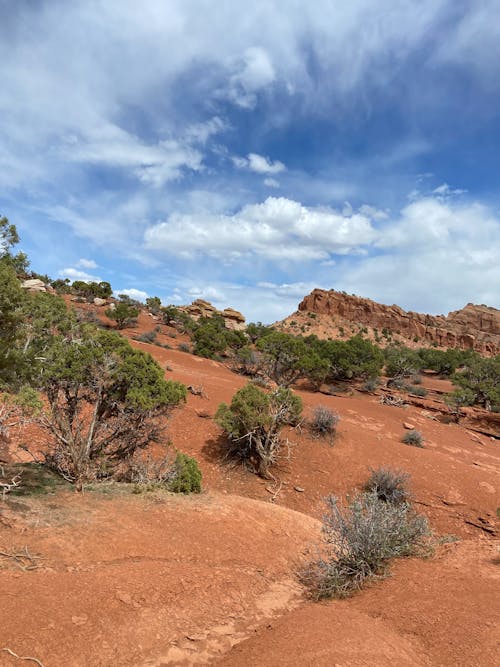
(34, 285)
(99, 302)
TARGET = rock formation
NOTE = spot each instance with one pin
(200, 308)
(471, 328)
(34, 285)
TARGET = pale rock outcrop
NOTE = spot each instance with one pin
(34, 285)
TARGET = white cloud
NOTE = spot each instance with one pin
(259, 164)
(133, 293)
(277, 229)
(271, 183)
(444, 190)
(253, 72)
(86, 264)
(78, 274)
(436, 256)
(263, 165)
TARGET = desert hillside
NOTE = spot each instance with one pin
(337, 314)
(156, 579)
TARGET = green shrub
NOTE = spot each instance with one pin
(413, 438)
(362, 539)
(186, 475)
(253, 423)
(184, 347)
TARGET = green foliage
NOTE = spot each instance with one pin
(444, 362)
(362, 539)
(8, 239)
(11, 318)
(285, 358)
(478, 383)
(253, 423)
(105, 401)
(123, 314)
(169, 314)
(256, 330)
(212, 339)
(401, 362)
(187, 475)
(153, 304)
(92, 290)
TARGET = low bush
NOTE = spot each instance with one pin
(146, 337)
(413, 438)
(388, 485)
(418, 391)
(360, 540)
(371, 384)
(186, 475)
(324, 422)
(184, 347)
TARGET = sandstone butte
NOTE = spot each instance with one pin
(474, 327)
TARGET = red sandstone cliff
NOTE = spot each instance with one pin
(325, 312)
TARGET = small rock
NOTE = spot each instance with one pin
(80, 620)
(124, 597)
(299, 489)
(408, 426)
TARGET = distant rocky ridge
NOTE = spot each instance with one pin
(471, 328)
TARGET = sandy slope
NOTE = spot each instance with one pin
(157, 580)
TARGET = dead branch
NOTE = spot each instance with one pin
(25, 560)
(395, 401)
(6, 487)
(197, 390)
(23, 657)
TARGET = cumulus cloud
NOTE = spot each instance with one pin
(77, 274)
(133, 293)
(259, 164)
(277, 229)
(437, 255)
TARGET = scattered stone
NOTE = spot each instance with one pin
(99, 302)
(299, 489)
(408, 426)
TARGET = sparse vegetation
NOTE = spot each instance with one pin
(413, 438)
(361, 540)
(388, 485)
(324, 422)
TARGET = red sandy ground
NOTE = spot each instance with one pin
(153, 579)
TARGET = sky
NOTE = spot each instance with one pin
(246, 153)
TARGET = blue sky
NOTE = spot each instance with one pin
(249, 153)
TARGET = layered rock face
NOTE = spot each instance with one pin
(200, 308)
(471, 328)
